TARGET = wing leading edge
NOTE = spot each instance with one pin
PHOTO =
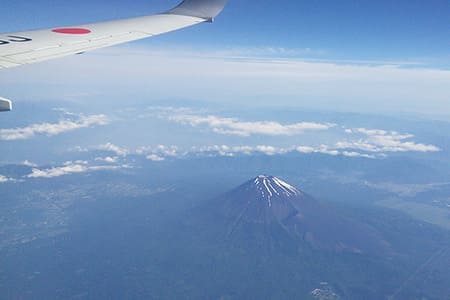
(20, 48)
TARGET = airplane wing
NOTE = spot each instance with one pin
(20, 48)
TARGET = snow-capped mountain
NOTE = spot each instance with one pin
(264, 199)
(273, 187)
(284, 209)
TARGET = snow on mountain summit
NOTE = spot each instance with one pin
(270, 186)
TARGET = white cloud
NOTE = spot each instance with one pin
(155, 157)
(341, 148)
(157, 153)
(70, 168)
(224, 150)
(221, 150)
(52, 129)
(234, 126)
(381, 141)
(357, 154)
(4, 179)
(305, 149)
(167, 150)
(29, 163)
(57, 171)
(272, 150)
(364, 141)
(108, 147)
(80, 162)
(106, 168)
(245, 149)
(324, 149)
(108, 159)
(112, 148)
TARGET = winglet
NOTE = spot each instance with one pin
(5, 104)
(205, 9)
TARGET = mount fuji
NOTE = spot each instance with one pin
(275, 210)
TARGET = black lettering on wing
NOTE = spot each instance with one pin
(18, 39)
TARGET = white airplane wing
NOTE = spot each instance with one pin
(20, 48)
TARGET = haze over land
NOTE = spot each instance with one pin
(135, 212)
(289, 150)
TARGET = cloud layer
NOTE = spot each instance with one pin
(70, 168)
(51, 129)
(120, 151)
(224, 150)
(382, 141)
(369, 144)
(241, 75)
(232, 126)
(235, 126)
(4, 179)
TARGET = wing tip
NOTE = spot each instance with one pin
(5, 104)
(204, 9)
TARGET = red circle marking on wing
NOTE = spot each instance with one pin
(72, 30)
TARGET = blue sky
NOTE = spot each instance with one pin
(363, 56)
(406, 30)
